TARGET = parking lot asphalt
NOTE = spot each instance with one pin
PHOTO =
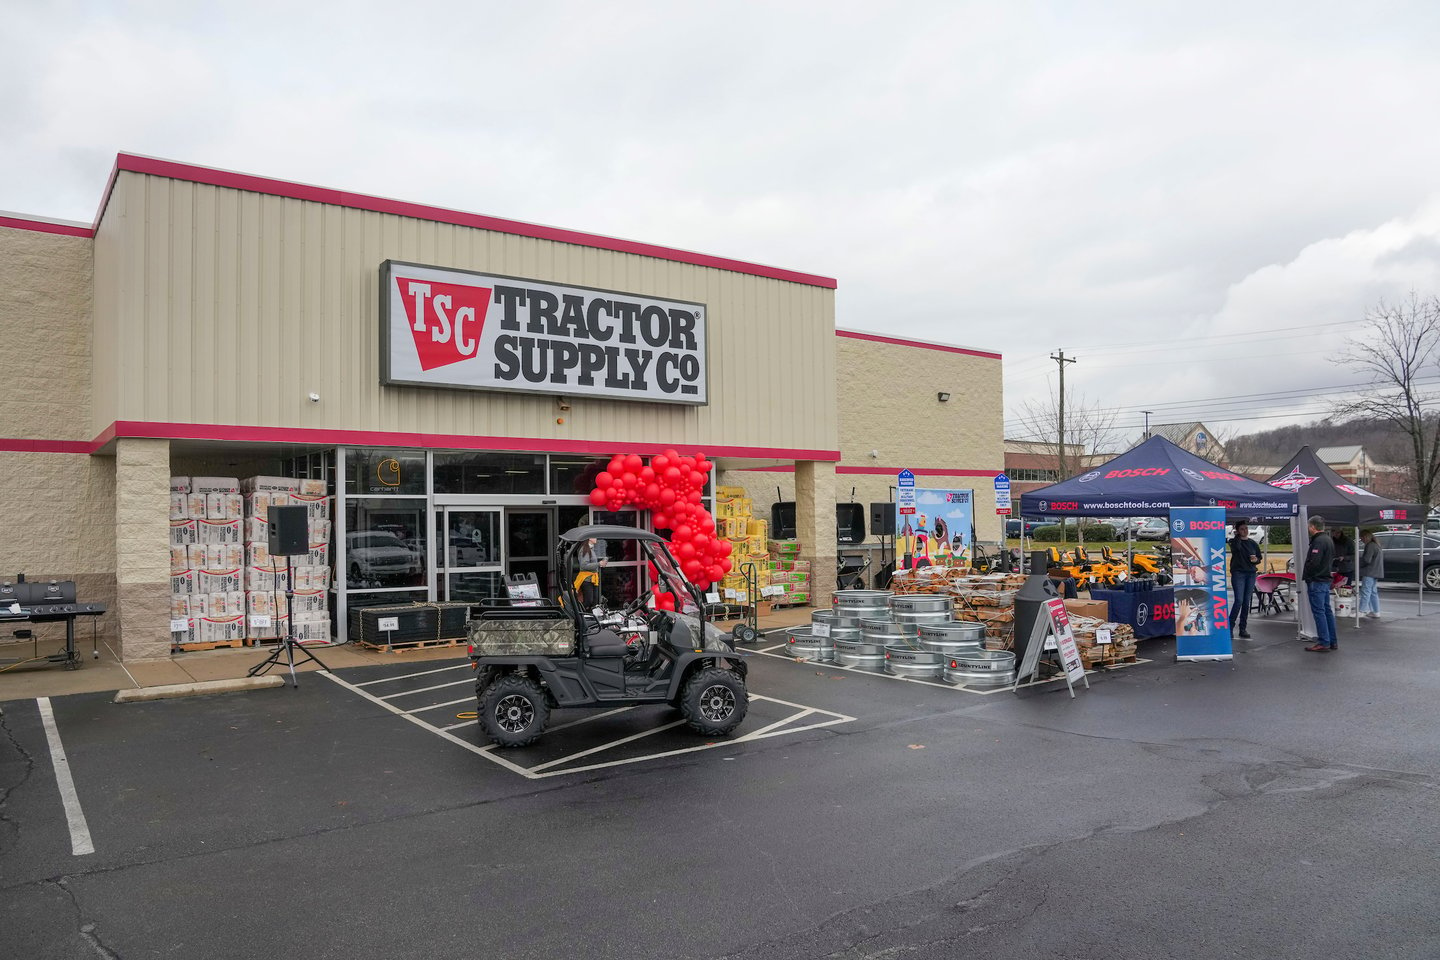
(1278, 805)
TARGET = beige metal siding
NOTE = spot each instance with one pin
(230, 307)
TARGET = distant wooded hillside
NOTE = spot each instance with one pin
(1382, 441)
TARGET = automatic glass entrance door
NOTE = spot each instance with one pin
(529, 544)
(471, 557)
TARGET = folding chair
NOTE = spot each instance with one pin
(1270, 597)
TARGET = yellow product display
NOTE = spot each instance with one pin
(730, 493)
(760, 529)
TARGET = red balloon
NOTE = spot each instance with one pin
(633, 463)
(597, 498)
(659, 462)
(694, 497)
(647, 474)
(691, 568)
(672, 476)
(652, 492)
(685, 551)
(697, 478)
(714, 572)
(604, 480)
(704, 466)
(683, 533)
(667, 497)
(665, 601)
(628, 481)
(726, 547)
(705, 524)
(725, 566)
(672, 455)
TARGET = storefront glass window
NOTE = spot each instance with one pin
(574, 476)
(384, 543)
(375, 471)
(490, 473)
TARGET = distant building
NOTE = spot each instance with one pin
(1032, 464)
(1194, 437)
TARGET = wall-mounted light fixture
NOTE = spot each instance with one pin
(562, 404)
(943, 397)
(314, 398)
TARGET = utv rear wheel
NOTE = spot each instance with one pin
(714, 702)
(513, 711)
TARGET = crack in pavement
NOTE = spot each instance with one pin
(12, 826)
(85, 930)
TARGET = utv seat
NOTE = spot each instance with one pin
(604, 643)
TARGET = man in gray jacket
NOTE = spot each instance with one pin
(1372, 570)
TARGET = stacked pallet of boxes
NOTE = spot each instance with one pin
(788, 572)
(269, 610)
(736, 522)
(207, 593)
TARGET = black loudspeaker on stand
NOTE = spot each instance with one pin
(289, 537)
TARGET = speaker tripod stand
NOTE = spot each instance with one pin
(288, 645)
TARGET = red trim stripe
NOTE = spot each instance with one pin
(45, 226)
(884, 471)
(438, 441)
(944, 348)
(360, 201)
(17, 445)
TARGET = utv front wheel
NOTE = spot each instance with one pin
(714, 702)
(513, 711)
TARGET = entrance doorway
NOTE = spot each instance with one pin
(472, 567)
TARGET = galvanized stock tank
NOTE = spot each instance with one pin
(922, 608)
(983, 668)
(842, 626)
(861, 603)
(908, 659)
(801, 642)
(955, 637)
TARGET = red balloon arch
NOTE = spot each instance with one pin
(671, 488)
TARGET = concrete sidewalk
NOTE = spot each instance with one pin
(30, 680)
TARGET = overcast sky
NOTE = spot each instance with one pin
(1197, 201)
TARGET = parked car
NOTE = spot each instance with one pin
(1154, 528)
(1258, 532)
(378, 554)
(1401, 550)
(1013, 526)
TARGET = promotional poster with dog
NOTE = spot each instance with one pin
(939, 534)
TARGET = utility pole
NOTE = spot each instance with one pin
(1147, 424)
(1060, 358)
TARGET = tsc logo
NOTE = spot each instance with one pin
(1293, 481)
(446, 319)
(1092, 475)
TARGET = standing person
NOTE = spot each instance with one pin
(1372, 570)
(1318, 562)
(1244, 563)
(590, 558)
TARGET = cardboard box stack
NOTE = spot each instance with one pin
(207, 598)
(267, 607)
(788, 572)
(735, 520)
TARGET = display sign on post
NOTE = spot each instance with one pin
(937, 531)
(1002, 494)
(905, 493)
(1202, 594)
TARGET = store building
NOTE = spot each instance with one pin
(449, 376)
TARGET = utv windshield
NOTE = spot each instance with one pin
(671, 579)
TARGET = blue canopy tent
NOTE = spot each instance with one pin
(1150, 478)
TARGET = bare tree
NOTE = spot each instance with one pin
(1399, 347)
(1089, 429)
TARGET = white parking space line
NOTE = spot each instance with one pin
(606, 746)
(448, 703)
(553, 768)
(80, 842)
(407, 676)
(958, 687)
(438, 686)
(486, 752)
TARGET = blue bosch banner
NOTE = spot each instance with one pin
(1202, 596)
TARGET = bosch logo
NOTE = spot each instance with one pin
(1178, 526)
(1191, 473)
(1142, 614)
(1092, 475)
(1207, 525)
(1044, 506)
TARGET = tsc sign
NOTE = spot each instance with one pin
(451, 328)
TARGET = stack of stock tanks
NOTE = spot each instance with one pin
(913, 636)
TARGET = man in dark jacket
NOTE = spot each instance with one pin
(1318, 561)
(1244, 562)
